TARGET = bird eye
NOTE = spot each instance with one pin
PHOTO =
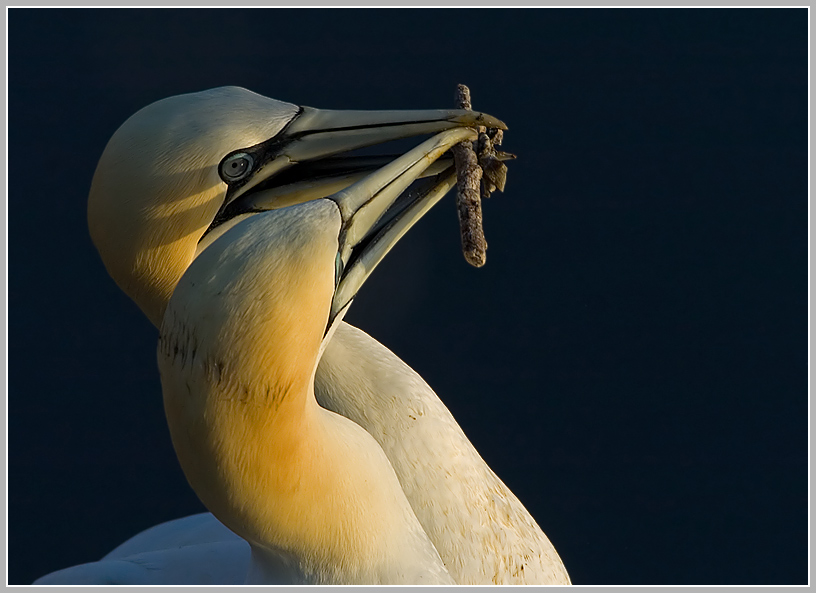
(236, 167)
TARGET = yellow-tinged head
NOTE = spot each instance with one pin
(157, 186)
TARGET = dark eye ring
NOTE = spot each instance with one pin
(236, 167)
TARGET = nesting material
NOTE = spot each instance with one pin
(494, 171)
(480, 171)
(468, 192)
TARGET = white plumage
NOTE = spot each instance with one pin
(156, 192)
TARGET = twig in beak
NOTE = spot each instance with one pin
(468, 199)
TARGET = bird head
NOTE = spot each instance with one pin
(183, 170)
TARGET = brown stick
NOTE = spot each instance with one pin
(468, 199)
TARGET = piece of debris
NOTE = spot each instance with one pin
(468, 194)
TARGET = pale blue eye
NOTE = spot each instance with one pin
(236, 167)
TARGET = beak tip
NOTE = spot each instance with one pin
(491, 122)
(477, 118)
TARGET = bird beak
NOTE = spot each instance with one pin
(376, 215)
(313, 138)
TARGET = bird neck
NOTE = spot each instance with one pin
(456, 497)
(309, 489)
(237, 355)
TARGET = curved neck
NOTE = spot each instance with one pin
(237, 354)
(298, 482)
(455, 495)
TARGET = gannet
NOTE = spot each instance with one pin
(179, 175)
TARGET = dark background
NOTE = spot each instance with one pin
(639, 377)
